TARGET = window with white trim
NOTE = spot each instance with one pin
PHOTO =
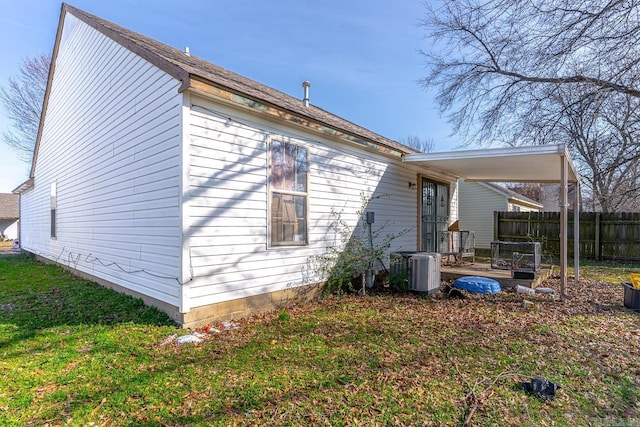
(288, 194)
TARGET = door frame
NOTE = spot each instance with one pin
(430, 178)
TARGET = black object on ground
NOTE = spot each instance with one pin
(452, 292)
(631, 296)
(541, 388)
(526, 275)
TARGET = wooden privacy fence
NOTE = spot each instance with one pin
(603, 236)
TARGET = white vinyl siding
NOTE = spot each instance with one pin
(227, 203)
(478, 202)
(476, 206)
(111, 141)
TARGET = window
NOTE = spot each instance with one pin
(54, 204)
(288, 170)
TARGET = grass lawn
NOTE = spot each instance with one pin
(73, 353)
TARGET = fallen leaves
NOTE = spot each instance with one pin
(355, 360)
(435, 360)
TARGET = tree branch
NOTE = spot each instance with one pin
(604, 84)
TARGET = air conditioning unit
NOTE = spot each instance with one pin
(424, 272)
(399, 261)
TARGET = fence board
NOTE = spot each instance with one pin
(609, 236)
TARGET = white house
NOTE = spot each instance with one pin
(9, 215)
(205, 193)
(478, 202)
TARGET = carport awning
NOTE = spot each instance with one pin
(541, 163)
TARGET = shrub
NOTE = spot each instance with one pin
(360, 248)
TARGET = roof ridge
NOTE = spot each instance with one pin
(182, 66)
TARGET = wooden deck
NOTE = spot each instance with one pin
(450, 273)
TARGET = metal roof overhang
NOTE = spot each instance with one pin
(540, 163)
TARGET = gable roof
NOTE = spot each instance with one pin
(510, 194)
(203, 76)
(9, 208)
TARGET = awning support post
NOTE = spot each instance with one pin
(563, 226)
(576, 232)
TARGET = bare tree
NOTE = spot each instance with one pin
(602, 132)
(22, 97)
(542, 71)
(533, 191)
(424, 145)
(604, 135)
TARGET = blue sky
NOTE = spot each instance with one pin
(361, 56)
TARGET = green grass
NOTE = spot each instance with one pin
(609, 271)
(73, 353)
(606, 271)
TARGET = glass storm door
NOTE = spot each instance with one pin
(435, 214)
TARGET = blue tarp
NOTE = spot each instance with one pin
(477, 284)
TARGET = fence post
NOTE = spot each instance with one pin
(496, 224)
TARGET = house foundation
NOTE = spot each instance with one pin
(212, 313)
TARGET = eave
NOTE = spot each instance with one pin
(275, 113)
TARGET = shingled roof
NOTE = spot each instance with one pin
(185, 67)
(512, 194)
(9, 208)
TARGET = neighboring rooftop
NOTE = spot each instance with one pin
(512, 194)
(9, 208)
